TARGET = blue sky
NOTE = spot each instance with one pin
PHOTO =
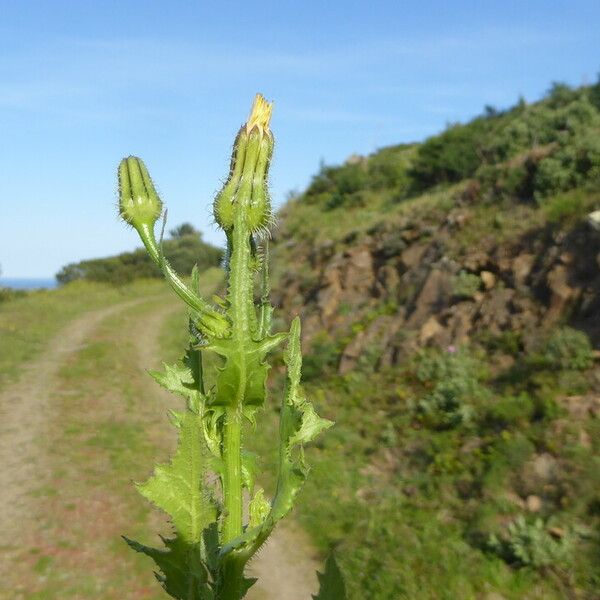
(83, 84)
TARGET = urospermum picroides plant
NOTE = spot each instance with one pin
(211, 545)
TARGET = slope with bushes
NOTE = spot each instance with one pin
(451, 301)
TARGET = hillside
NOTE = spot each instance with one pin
(450, 294)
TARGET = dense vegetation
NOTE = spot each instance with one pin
(470, 468)
(528, 152)
(183, 249)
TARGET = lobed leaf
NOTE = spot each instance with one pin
(331, 582)
(183, 573)
(299, 424)
(176, 489)
(244, 373)
(184, 379)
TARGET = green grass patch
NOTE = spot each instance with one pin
(27, 323)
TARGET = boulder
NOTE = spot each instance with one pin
(561, 292)
(488, 279)
(432, 298)
(430, 329)
(412, 256)
(377, 335)
(521, 268)
(534, 503)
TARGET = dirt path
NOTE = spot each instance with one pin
(285, 566)
(24, 410)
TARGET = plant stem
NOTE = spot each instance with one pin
(243, 318)
(232, 474)
(233, 576)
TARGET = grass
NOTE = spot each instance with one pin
(103, 434)
(299, 215)
(407, 508)
(568, 207)
(27, 323)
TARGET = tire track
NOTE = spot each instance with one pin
(24, 411)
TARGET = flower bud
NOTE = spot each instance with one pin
(245, 190)
(223, 204)
(139, 204)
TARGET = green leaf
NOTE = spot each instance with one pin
(183, 574)
(195, 279)
(331, 582)
(258, 508)
(298, 425)
(176, 489)
(179, 379)
(249, 469)
(244, 372)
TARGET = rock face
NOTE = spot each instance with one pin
(398, 287)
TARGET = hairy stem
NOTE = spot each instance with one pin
(233, 579)
(190, 298)
(232, 474)
(243, 318)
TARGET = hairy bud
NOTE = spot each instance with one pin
(246, 187)
(139, 204)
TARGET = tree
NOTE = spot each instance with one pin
(183, 230)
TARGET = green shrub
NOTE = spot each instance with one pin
(530, 544)
(452, 378)
(344, 179)
(324, 356)
(337, 199)
(566, 205)
(594, 94)
(574, 163)
(388, 169)
(445, 406)
(507, 342)
(560, 94)
(9, 294)
(434, 365)
(449, 157)
(350, 178)
(507, 411)
(465, 285)
(554, 174)
(322, 182)
(567, 348)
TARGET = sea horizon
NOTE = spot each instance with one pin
(28, 283)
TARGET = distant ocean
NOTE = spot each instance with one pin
(28, 284)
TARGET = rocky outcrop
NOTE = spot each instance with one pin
(399, 286)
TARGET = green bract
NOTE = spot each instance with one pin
(205, 559)
(139, 203)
